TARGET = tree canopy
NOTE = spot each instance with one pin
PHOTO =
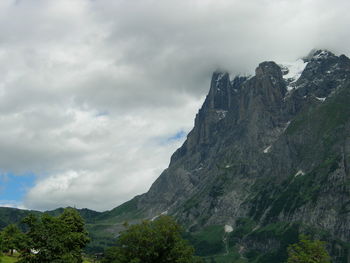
(151, 241)
(308, 251)
(55, 239)
(12, 238)
(1, 246)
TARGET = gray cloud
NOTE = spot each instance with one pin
(91, 90)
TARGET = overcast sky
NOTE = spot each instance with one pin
(96, 95)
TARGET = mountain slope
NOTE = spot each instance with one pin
(254, 128)
(270, 148)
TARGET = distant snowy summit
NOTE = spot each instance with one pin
(292, 70)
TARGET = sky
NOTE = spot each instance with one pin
(95, 95)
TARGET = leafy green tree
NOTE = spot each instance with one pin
(12, 238)
(1, 246)
(55, 239)
(308, 251)
(151, 241)
(76, 237)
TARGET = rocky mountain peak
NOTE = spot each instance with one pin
(219, 91)
(267, 69)
(318, 54)
(323, 72)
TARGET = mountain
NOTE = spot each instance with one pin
(268, 158)
(13, 215)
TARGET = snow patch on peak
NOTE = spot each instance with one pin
(239, 78)
(220, 76)
(217, 79)
(320, 54)
(292, 71)
(241, 75)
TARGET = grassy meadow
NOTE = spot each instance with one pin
(8, 259)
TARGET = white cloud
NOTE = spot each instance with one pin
(89, 90)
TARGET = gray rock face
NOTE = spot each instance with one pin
(265, 148)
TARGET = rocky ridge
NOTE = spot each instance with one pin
(242, 128)
(274, 147)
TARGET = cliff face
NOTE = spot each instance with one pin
(261, 127)
(274, 147)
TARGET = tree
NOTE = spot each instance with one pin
(55, 239)
(151, 241)
(1, 246)
(12, 238)
(308, 251)
(76, 237)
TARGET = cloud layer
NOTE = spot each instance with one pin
(94, 93)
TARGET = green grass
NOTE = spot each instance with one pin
(125, 212)
(208, 241)
(284, 233)
(8, 259)
(334, 112)
(232, 257)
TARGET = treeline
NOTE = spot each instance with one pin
(61, 239)
(47, 239)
